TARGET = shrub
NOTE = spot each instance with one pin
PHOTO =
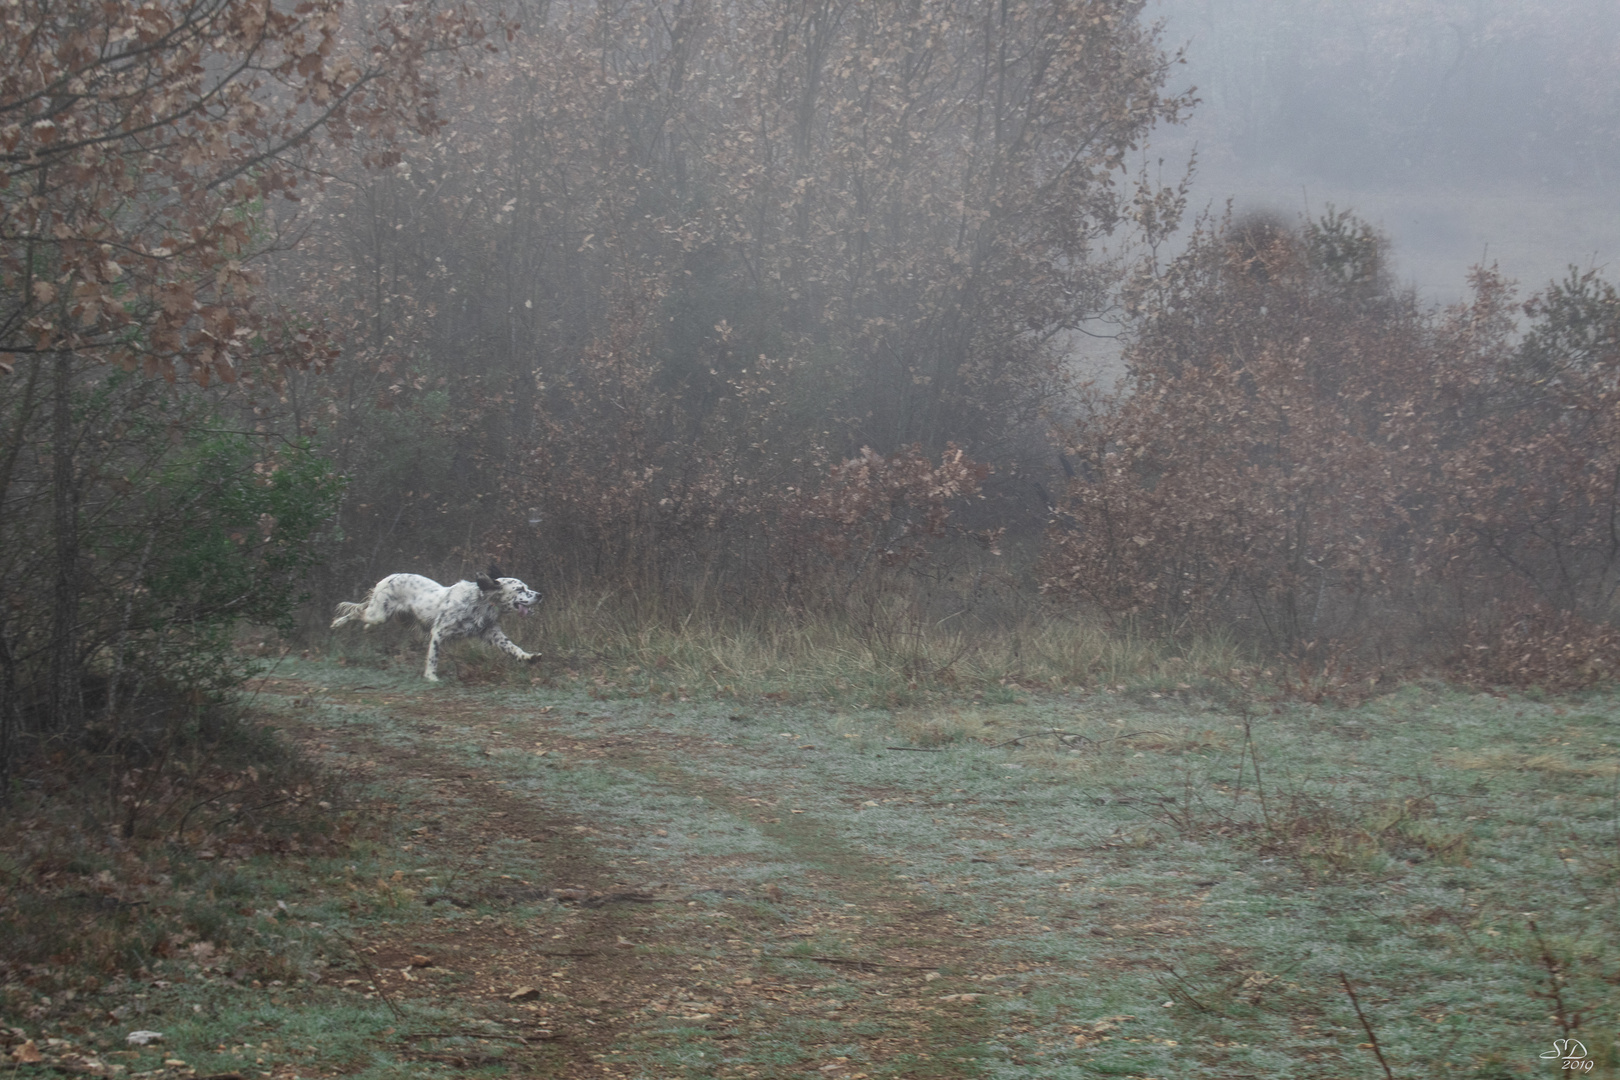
(224, 537)
(1305, 455)
(180, 529)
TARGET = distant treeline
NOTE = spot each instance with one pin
(771, 303)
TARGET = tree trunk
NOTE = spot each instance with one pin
(10, 707)
(67, 684)
(9, 715)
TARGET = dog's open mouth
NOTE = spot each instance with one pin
(523, 609)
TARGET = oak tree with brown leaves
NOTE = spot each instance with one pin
(1307, 459)
(144, 147)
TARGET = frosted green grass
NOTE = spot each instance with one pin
(1407, 843)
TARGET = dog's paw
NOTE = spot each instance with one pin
(531, 658)
(430, 677)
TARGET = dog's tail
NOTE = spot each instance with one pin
(347, 611)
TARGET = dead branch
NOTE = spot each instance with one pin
(1371, 1036)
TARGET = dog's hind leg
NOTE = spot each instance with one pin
(347, 612)
(364, 611)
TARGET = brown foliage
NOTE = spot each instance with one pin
(670, 259)
(889, 507)
(1533, 644)
(869, 518)
(1306, 456)
(137, 141)
(1246, 474)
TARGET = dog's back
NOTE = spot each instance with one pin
(398, 594)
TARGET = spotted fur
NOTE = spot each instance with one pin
(465, 609)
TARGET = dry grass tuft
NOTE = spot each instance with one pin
(892, 654)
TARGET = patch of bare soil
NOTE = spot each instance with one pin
(623, 968)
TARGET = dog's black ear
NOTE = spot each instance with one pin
(495, 572)
(486, 583)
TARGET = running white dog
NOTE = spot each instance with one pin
(465, 609)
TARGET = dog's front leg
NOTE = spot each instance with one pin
(430, 673)
(507, 645)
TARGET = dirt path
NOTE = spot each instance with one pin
(598, 952)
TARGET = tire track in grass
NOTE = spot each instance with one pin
(914, 954)
(559, 954)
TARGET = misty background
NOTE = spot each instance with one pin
(1470, 131)
(764, 312)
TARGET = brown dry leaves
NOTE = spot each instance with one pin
(1310, 459)
(135, 161)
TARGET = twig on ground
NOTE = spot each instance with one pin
(371, 973)
(1567, 1021)
(1371, 1037)
(538, 1036)
(853, 962)
(1037, 734)
(594, 898)
(1181, 988)
(106, 902)
(456, 871)
(1076, 735)
(848, 960)
(1259, 786)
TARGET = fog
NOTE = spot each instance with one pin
(1467, 130)
(754, 307)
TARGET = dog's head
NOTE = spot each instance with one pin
(509, 592)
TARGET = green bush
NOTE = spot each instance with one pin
(231, 532)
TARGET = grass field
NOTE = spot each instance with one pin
(570, 877)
